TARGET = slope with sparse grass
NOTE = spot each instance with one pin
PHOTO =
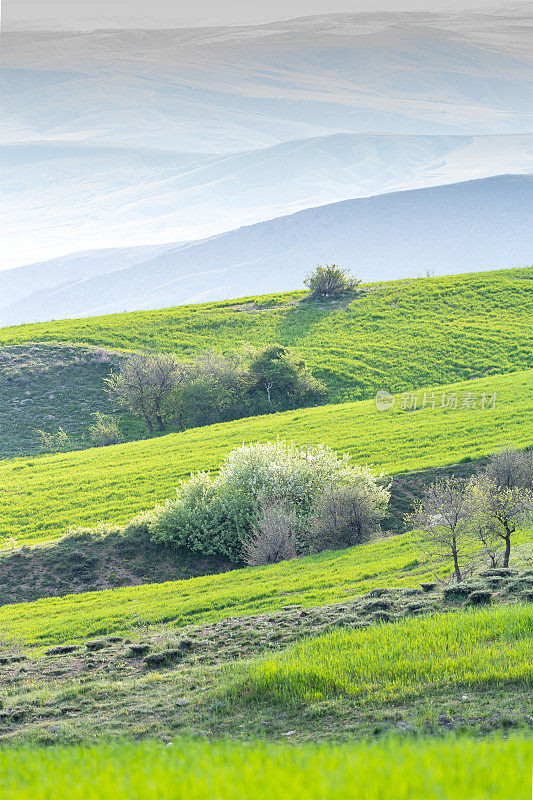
(328, 577)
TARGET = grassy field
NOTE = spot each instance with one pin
(43, 497)
(328, 577)
(497, 769)
(395, 336)
(482, 647)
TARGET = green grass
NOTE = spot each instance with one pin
(455, 769)
(43, 497)
(312, 581)
(395, 336)
(475, 648)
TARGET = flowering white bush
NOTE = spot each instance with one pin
(217, 515)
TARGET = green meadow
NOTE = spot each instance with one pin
(238, 683)
(473, 648)
(496, 769)
(329, 577)
(44, 496)
(396, 335)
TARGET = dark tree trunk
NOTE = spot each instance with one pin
(160, 424)
(507, 551)
(456, 564)
(149, 423)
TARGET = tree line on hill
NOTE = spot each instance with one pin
(215, 387)
(212, 387)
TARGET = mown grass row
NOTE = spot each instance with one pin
(453, 769)
(395, 335)
(43, 497)
(328, 577)
(471, 648)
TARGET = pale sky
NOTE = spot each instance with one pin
(183, 13)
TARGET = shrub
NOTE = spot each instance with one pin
(480, 597)
(330, 281)
(105, 430)
(53, 442)
(218, 516)
(274, 536)
(346, 515)
(282, 379)
(205, 520)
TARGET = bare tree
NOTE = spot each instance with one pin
(145, 385)
(274, 536)
(502, 510)
(343, 516)
(509, 468)
(444, 518)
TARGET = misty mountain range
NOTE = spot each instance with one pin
(239, 145)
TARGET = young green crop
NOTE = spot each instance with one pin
(474, 648)
(396, 335)
(423, 769)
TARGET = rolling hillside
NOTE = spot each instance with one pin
(398, 146)
(396, 336)
(44, 496)
(332, 577)
(447, 229)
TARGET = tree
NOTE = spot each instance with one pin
(145, 384)
(509, 468)
(345, 515)
(274, 536)
(503, 510)
(284, 376)
(330, 281)
(444, 518)
(215, 390)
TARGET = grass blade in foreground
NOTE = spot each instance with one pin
(414, 770)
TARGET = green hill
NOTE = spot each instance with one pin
(43, 497)
(396, 335)
(45, 386)
(330, 577)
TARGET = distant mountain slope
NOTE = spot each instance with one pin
(448, 229)
(79, 196)
(18, 283)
